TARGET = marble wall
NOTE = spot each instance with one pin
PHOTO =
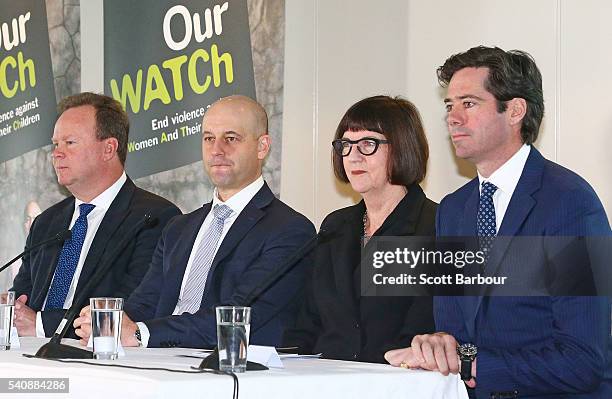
(31, 177)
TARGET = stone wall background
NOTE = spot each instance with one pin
(31, 176)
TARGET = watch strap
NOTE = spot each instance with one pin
(466, 370)
(138, 336)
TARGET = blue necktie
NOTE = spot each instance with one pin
(68, 260)
(485, 223)
(487, 230)
(196, 280)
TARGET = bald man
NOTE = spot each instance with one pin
(217, 254)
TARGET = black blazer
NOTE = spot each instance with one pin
(128, 208)
(334, 319)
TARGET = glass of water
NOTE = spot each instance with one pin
(7, 313)
(106, 315)
(233, 327)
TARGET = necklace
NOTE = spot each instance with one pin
(366, 222)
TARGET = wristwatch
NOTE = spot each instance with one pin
(138, 336)
(467, 354)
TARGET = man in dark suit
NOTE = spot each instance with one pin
(90, 148)
(217, 254)
(537, 346)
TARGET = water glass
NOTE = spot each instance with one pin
(7, 314)
(106, 315)
(233, 327)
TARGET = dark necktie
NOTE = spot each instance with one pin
(486, 218)
(68, 260)
(487, 230)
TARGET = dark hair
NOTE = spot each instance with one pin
(399, 121)
(111, 118)
(512, 74)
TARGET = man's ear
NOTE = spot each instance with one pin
(111, 145)
(263, 146)
(517, 108)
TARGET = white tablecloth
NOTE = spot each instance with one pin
(301, 378)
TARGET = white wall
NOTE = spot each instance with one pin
(338, 52)
(92, 53)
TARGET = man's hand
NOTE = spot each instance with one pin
(82, 325)
(25, 318)
(128, 328)
(436, 352)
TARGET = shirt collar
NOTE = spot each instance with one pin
(506, 177)
(106, 198)
(240, 200)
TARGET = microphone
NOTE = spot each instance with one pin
(58, 238)
(212, 360)
(54, 349)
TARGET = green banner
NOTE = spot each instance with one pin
(27, 106)
(168, 67)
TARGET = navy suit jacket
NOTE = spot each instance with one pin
(128, 208)
(537, 345)
(264, 234)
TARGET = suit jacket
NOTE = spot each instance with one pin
(264, 234)
(536, 345)
(335, 320)
(128, 208)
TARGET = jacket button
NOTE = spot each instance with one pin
(356, 325)
(355, 356)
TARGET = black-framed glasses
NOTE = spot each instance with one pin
(366, 145)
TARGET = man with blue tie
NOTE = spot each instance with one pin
(512, 346)
(89, 153)
(219, 253)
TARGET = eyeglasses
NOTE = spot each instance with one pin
(366, 145)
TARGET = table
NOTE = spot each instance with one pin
(301, 378)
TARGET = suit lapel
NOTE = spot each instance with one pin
(522, 200)
(112, 221)
(175, 273)
(469, 304)
(248, 218)
(52, 252)
(470, 212)
(519, 208)
(343, 266)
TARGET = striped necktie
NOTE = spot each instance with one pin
(196, 281)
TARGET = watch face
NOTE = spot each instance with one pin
(467, 351)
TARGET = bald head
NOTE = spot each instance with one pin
(235, 143)
(252, 113)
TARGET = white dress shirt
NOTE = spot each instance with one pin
(237, 203)
(102, 202)
(506, 178)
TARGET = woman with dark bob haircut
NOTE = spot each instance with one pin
(381, 150)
